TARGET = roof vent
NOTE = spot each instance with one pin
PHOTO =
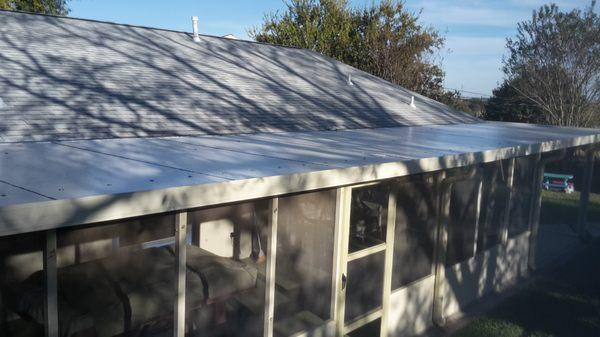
(412, 102)
(195, 27)
(230, 37)
(350, 79)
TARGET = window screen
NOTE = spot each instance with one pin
(365, 285)
(523, 193)
(416, 215)
(493, 204)
(117, 279)
(22, 291)
(226, 262)
(305, 241)
(368, 216)
(462, 221)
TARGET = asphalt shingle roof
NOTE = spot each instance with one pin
(63, 78)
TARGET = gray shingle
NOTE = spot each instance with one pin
(66, 78)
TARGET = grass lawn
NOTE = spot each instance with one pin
(561, 302)
(561, 208)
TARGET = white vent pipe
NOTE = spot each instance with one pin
(195, 27)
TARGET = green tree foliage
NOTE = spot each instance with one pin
(54, 7)
(508, 105)
(383, 39)
(553, 69)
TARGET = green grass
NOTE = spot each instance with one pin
(562, 208)
(562, 302)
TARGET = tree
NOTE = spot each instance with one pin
(384, 39)
(554, 66)
(508, 105)
(53, 7)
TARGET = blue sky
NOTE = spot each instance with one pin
(475, 31)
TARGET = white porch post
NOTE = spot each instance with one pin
(51, 283)
(584, 200)
(180, 286)
(509, 200)
(270, 269)
(537, 204)
(440, 249)
(389, 259)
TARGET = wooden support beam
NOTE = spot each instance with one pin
(478, 214)
(536, 206)
(509, 200)
(584, 199)
(389, 259)
(440, 251)
(447, 182)
(180, 266)
(342, 241)
(51, 283)
(337, 252)
(270, 269)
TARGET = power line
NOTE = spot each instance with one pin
(530, 105)
(468, 92)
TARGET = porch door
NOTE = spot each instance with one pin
(365, 267)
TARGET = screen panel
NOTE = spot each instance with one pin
(365, 285)
(368, 216)
(226, 266)
(523, 194)
(111, 282)
(414, 239)
(493, 204)
(304, 267)
(462, 221)
(22, 290)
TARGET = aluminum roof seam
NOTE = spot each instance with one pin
(26, 189)
(62, 143)
(170, 139)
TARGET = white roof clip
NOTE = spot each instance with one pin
(350, 80)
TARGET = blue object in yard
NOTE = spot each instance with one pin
(558, 182)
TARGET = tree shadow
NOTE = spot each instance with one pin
(75, 79)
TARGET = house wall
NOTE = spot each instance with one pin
(474, 265)
(491, 271)
(411, 308)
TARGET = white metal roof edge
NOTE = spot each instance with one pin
(45, 215)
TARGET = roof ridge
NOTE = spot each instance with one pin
(148, 27)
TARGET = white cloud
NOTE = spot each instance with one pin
(476, 33)
(470, 45)
(473, 63)
(504, 14)
(477, 75)
(453, 14)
